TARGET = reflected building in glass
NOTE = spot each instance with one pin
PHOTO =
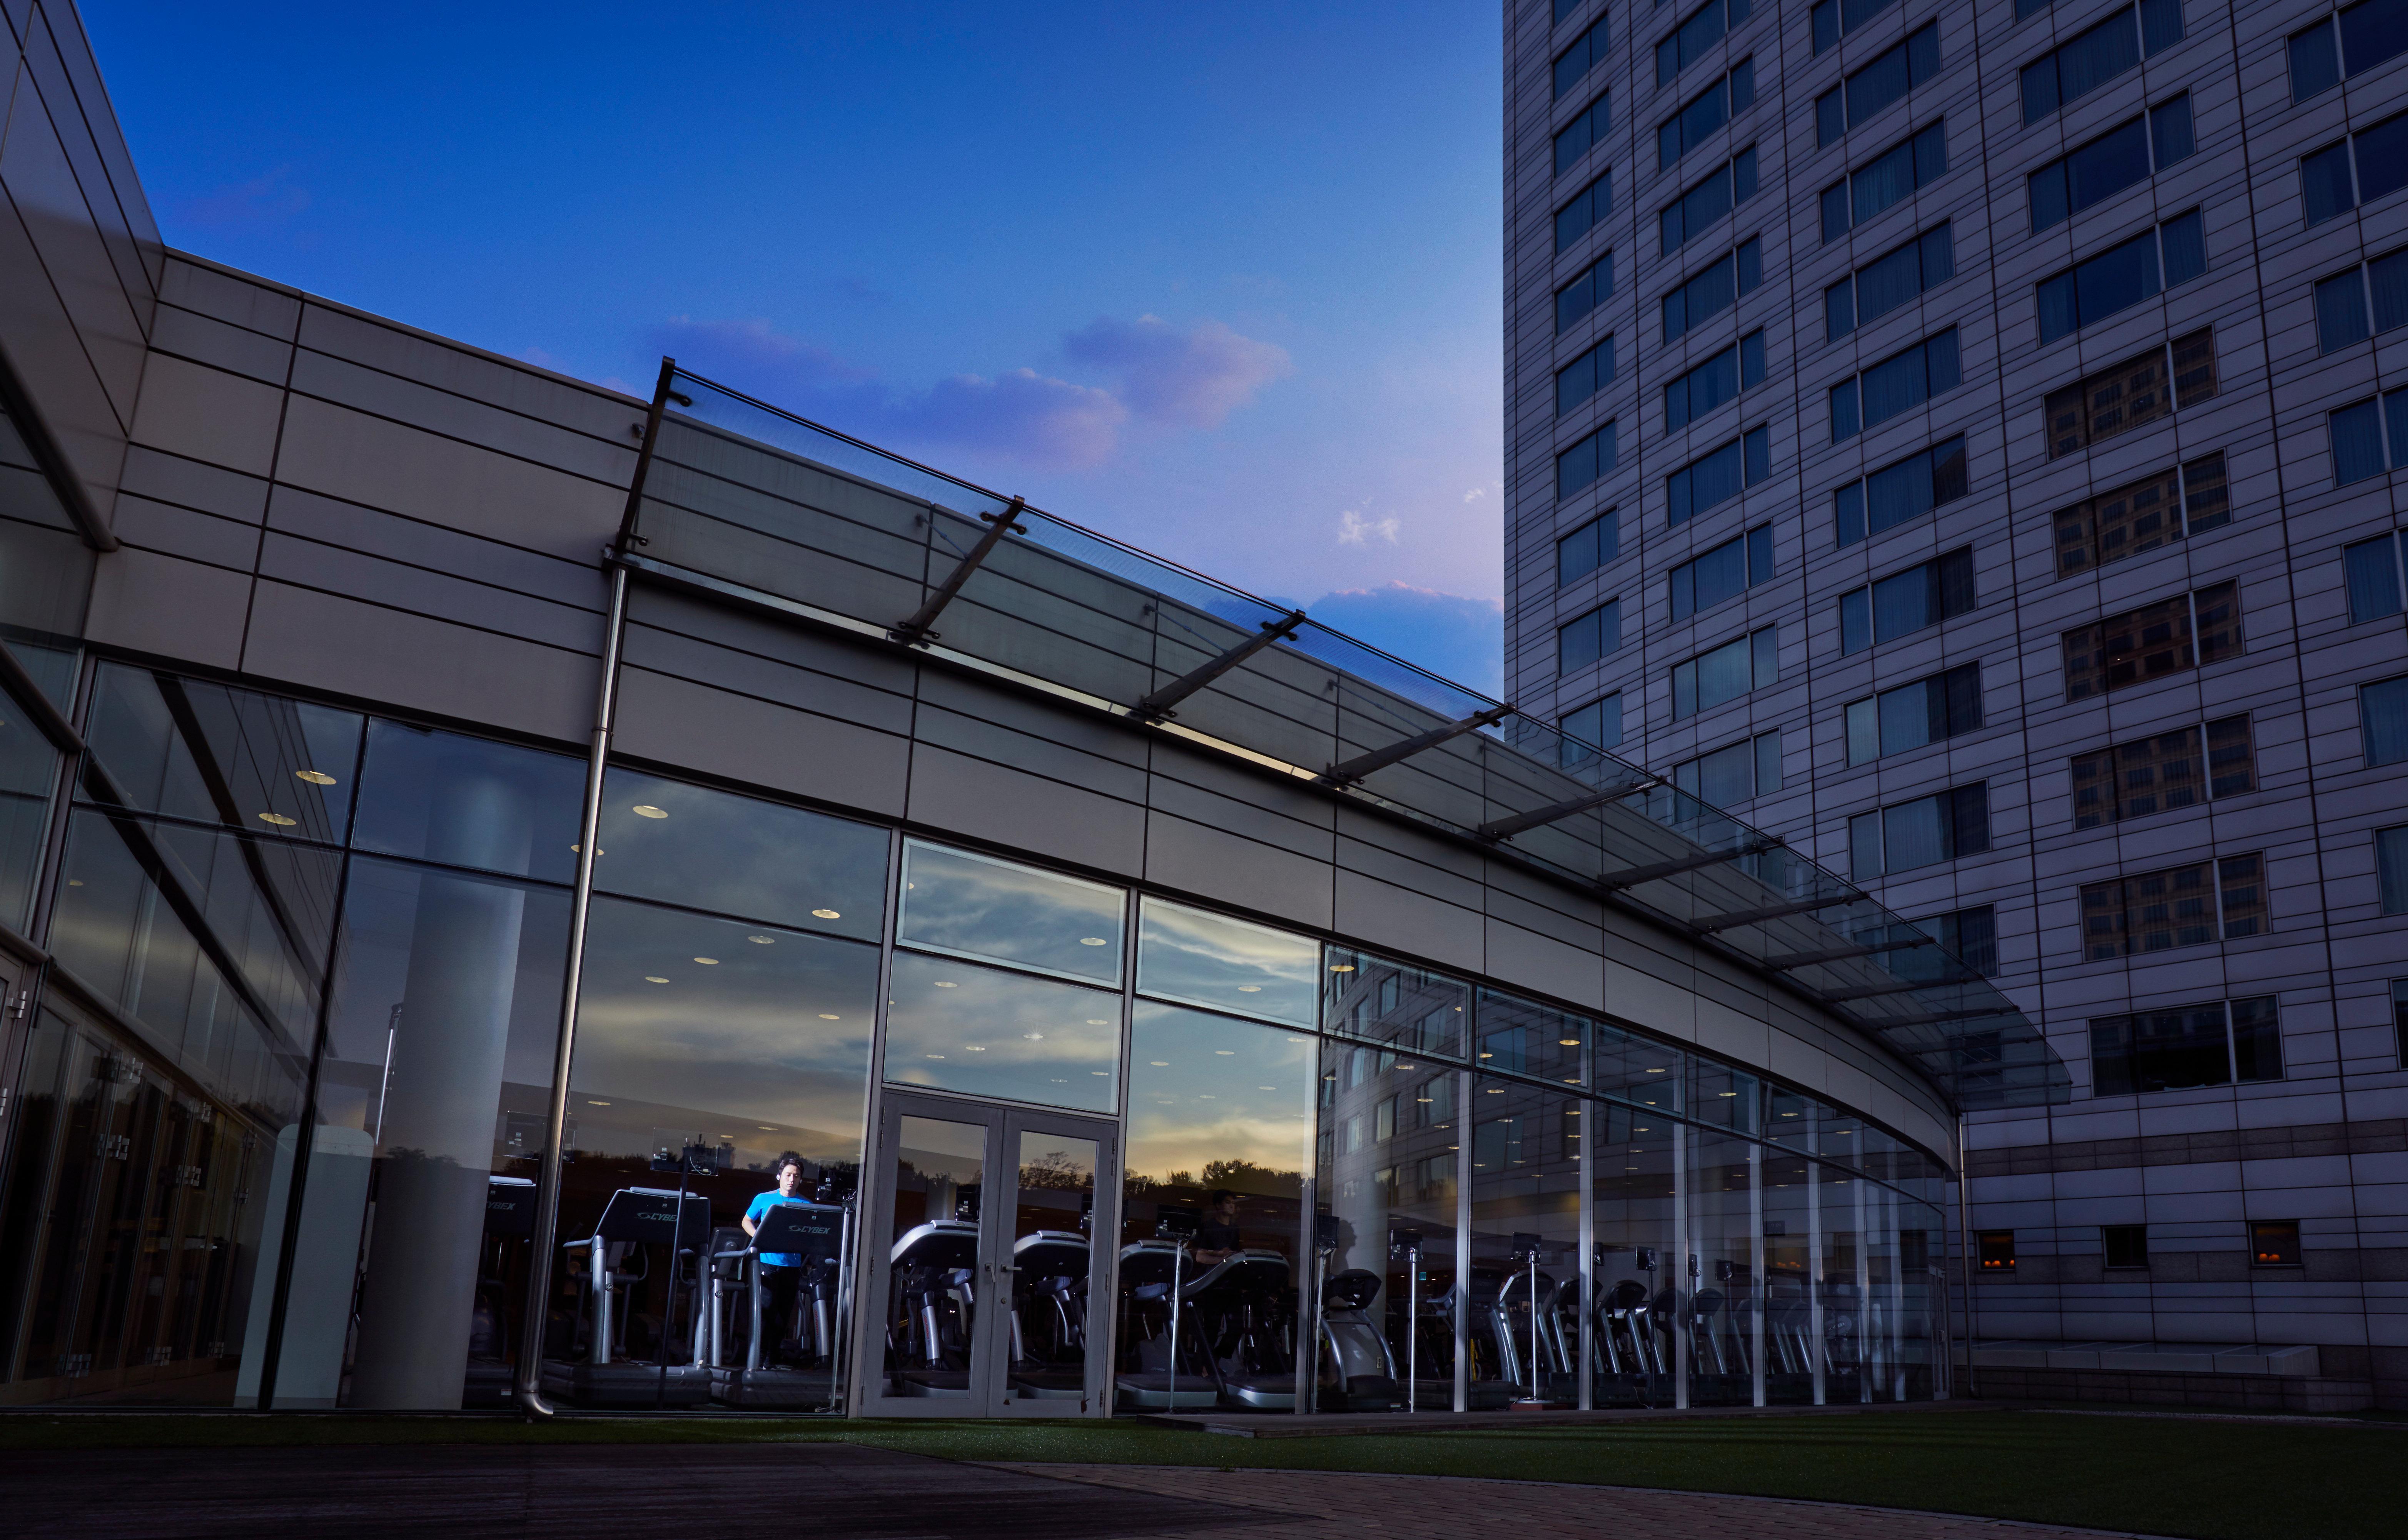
(513, 895)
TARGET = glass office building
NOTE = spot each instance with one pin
(1999, 502)
(514, 894)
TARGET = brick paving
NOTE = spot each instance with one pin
(1330, 1505)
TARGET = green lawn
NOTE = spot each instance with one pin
(2172, 1474)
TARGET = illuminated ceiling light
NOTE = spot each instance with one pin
(1105, 1073)
(1250, 989)
(766, 1128)
(1266, 1088)
(1488, 1056)
(1093, 941)
(315, 777)
(708, 961)
(645, 809)
(75, 882)
(1159, 1063)
(1098, 1022)
(825, 1017)
(1036, 1036)
(1422, 1100)
(762, 940)
(278, 819)
(1656, 1071)
(598, 1103)
(597, 850)
(1225, 1053)
(936, 1056)
(1495, 1090)
(947, 984)
(1730, 1093)
(654, 978)
(825, 914)
(975, 1048)
(1789, 1115)
(1567, 1042)
(1341, 968)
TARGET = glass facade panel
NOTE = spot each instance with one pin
(218, 755)
(956, 1026)
(1418, 1010)
(1522, 1308)
(29, 772)
(1205, 958)
(969, 905)
(709, 849)
(1391, 1292)
(469, 802)
(1634, 1197)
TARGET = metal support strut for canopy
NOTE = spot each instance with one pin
(1874, 992)
(1361, 766)
(1771, 911)
(1630, 876)
(650, 432)
(1506, 828)
(1841, 954)
(915, 632)
(1158, 705)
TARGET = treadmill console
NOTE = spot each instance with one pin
(648, 1216)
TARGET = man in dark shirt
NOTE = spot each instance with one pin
(1216, 1238)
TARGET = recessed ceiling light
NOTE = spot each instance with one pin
(1730, 1093)
(936, 1056)
(1567, 1042)
(654, 978)
(947, 984)
(708, 961)
(315, 777)
(78, 882)
(278, 819)
(1250, 989)
(1098, 1022)
(645, 809)
(974, 1049)
(1266, 1088)
(1488, 1056)
(762, 940)
(825, 1017)
(766, 1128)
(1102, 1072)
(1657, 1070)
(1093, 941)
(598, 1103)
(1036, 1036)
(825, 914)
(1341, 968)
(1159, 1063)
(1225, 1053)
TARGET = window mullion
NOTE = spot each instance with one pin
(2231, 1055)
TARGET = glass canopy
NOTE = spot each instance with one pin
(757, 506)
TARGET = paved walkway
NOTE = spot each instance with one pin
(1326, 1505)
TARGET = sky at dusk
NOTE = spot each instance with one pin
(1223, 281)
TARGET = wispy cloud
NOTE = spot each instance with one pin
(1190, 379)
(262, 200)
(1355, 529)
(1452, 635)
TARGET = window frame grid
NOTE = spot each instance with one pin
(2148, 121)
(1912, 144)
(2059, 297)
(2177, 396)
(2123, 945)
(1859, 520)
(1835, 111)
(2125, 1022)
(2191, 643)
(2187, 526)
(2116, 755)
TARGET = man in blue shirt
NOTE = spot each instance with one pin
(781, 1270)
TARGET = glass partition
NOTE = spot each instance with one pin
(705, 850)
(1413, 1008)
(1718, 1308)
(1393, 1298)
(960, 1026)
(469, 802)
(1792, 1358)
(219, 755)
(1219, 1145)
(1200, 958)
(1634, 1191)
(1523, 1309)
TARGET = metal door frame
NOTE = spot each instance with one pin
(990, 1364)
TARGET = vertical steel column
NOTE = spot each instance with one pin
(1815, 1346)
(1584, 1170)
(1758, 1282)
(1463, 1089)
(1864, 1295)
(1964, 1260)
(1676, 1268)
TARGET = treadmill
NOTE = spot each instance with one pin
(636, 1222)
(821, 1234)
(933, 1310)
(1049, 1317)
(1244, 1310)
(1158, 1367)
(509, 1224)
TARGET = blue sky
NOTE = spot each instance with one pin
(1221, 280)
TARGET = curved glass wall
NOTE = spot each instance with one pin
(284, 1114)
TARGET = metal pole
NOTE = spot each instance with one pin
(547, 1212)
(1965, 1255)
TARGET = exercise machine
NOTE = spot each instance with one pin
(509, 1227)
(1154, 1340)
(820, 1235)
(636, 1222)
(1357, 1373)
(932, 1315)
(1049, 1316)
(1243, 1309)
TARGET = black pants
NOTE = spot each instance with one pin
(782, 1284)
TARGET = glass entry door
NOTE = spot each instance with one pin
(982, 1278)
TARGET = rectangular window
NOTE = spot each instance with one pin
(1697, 35)
(2125, 156)
(1995, 1250)
(2274, 1242)
(2186, 905)
(2163, 772)
(2391, 867)
(1900, 382)
(1717, 476)
(1902, 489)
(1872, 88)
(1734, 773)
(2370, 572)
(1701, 115)
(1587, 210)
(1907, 601)
(2102, 52)
(1726, 672)
(1706, 200)
(2358, 170)
(2362, 301)
(2123, 276)
(2383, 720)
(1574, 140)
(1584, 461)
(1713, 289)
(2155, 511)
(2185, 1047)
(1576, 299)
(1886, 180)
(1835, 19)
(1922, 832)
(2399, 1019)
(2140, 390)
(1584, 375)
(1725, 571)
(2155, 641)
(2369, 438)
(1717, 380)
(1587, 52)
(1896, 277)
(1971, 936)
(1586, 640)
(1597, 724)
(2124, 1244)
(2372, 31)
(1929, 711)
(1587, 548)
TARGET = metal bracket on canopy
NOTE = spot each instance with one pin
(1506, 828)
(1158, 705)
(1841, 954)
(915, 632)
(1630, 876)
(1361, 766)
(1771, 911)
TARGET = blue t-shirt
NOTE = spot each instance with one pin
(760, 1205)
